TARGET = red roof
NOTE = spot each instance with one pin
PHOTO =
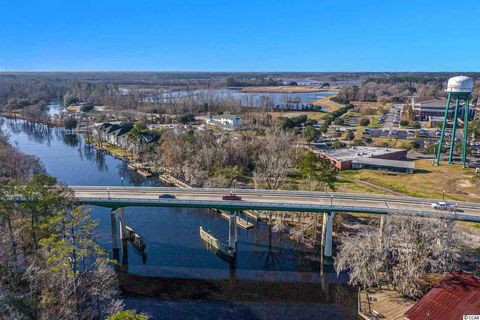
(456, 295)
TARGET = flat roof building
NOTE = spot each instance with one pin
(369, 157)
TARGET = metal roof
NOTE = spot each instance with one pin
(385, 162)
(456, 295)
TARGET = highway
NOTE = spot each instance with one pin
(115, 197)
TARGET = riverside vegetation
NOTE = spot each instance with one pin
(50, 264)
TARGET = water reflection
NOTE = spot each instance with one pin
(71, 140)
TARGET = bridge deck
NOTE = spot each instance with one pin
(271, 200)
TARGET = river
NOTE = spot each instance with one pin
(278, 99)
(273, 278)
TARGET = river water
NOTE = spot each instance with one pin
(273, 277)
(248, 99)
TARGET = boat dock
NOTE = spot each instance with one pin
(216, 244)
(136, 240)
(144, 173)
(252, 214)
(168, 179)
(242, 223)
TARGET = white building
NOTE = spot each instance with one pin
(225, 120)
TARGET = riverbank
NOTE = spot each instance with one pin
(45, 121)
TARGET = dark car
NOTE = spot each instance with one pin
(231, 197)
(166, 196)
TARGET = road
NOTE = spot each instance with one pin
(115, 196)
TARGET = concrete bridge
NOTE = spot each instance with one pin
(116, 197)
(299, 201)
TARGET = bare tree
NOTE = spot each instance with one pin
(401, 253)
(277, 157)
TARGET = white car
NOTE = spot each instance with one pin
(441, 205)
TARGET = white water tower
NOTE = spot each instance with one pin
(460, 88)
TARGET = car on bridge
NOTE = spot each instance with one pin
(441, 205)
(231, 197)
(167, 196)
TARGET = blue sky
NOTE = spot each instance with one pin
(245, 35)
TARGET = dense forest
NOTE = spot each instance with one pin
(399, 88)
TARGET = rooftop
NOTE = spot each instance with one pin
(456, 295)
(226, 116)
(345, 154)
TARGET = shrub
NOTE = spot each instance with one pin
(364, 122)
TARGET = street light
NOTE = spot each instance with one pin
(121, 178)
(234, 184)
(331, 200)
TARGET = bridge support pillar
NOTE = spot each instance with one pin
(123, 225)
(124, 238)
(232, 231)
(382, 224)
(327, 230)
(114, 227)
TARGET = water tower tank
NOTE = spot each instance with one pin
(460, 84)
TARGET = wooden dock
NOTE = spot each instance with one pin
(252, 214)
(216, 244)
(136, 240)
(242, 223)
(383, 304)
(144, 173)
(168, 179)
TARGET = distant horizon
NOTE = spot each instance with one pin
(227, 72)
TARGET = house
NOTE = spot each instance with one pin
(114, 134)
(457, 295)
(225, 120)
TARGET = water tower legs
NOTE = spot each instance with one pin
(465, 133)
(442, 135)
(454, 131)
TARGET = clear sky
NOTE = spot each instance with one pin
(243, 35)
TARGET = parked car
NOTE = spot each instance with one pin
(441, 205)
(166, 196)
(231, 197)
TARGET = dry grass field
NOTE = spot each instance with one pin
(428, 181)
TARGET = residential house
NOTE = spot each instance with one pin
(225, 120)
